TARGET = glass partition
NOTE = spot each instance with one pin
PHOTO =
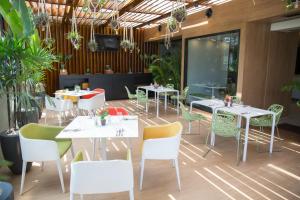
(211, 65)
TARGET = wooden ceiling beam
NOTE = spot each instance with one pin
(190, 5)
(68, 15)
(126, 8)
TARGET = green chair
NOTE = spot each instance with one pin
(191, 117)
(183, 96)
(225, 126)
(130, 95)
(38, 144)
(142, 98)
(266, 121)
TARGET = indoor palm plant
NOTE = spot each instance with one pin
(23, 62)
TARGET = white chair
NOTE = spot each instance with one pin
(161, 143)
(57, 105)
(95, 177)
(38, 144)
(93, 103)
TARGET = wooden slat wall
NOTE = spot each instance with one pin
(82, 59)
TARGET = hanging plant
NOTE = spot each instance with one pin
(41, 19)
(132, 44)
(92, 45)
(74, 38)
(172, 24)
(114, 23)
(125, 44)
(86, 6)
(180, 14)
(48, 42)
(289, 4)
(101, 3)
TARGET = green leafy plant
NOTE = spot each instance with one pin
(148, 59)
(22, 67)
(41, 19)
(295, 85)
(180, 14)
(289, 4)
(4, 163)
(166, 70)
(49, 42)
(75, 38)
(172, 24)
(125, 44)
(63, 59)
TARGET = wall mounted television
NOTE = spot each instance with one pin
(107, 42)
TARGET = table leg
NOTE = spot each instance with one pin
(94, 147)
(177, 102)
(272, 133)
(246, 139)
(165, 101)
(147, 101)
(103, 149)
(212, 93)
(157, 104)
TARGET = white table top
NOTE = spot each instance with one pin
(159, 89)
(74, 93)
(85, 127)
(246, 111)
(212, 103)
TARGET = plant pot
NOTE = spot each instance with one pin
(7, 191)
(103, 122)
(108, 71)
(27, 117)
(63, 72)
(11, 149)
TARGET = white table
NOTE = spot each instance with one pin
(157, 91)
(74, 93)
(246, 112)
(210, 86)
(117, 127)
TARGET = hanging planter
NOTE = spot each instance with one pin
(92, 45)
(125, 44)
(114, 22)
(132, 44)
(86, 6)
(41, 19)
(172, 24)
(74, 36)
(49, 42)
(180, 14)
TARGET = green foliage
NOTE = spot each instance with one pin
(75, 38)
(4, 163)
(166, 70)
(295, 85)
(148, 59)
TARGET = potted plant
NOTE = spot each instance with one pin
(108, 70)
(180, 14)
(295, 85)
(63, 59)
(74, 38)
(125, 44)
(103, 114)
(41, 19)
(172, 24)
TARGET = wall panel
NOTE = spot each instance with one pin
(120, 61)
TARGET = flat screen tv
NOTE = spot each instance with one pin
(107, 42)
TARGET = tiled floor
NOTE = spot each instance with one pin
(214, 177)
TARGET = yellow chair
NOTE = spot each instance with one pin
(161, 143)
(72, 98)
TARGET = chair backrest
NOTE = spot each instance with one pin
(127, 90)
(97, 90)
(186, 91)
(185, 113)
(55, 104)
(224, 125)
(96, 102)
(109, 176)
(277, 109)
(37, 142)
(162, 142)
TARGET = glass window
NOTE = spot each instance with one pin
(211, 65)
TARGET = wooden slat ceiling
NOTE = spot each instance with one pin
(136, 13)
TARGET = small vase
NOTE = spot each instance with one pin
(103, 122)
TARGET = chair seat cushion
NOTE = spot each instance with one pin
(63, 146)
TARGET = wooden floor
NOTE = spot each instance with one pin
(215, 177)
